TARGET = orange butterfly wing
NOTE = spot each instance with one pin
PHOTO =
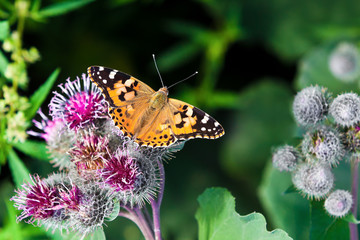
(127, 96)
(191, 122)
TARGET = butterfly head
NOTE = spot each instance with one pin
(164, 90)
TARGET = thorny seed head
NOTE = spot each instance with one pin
(315, 180)
(338, 203)
(344, 62)
(95, 205)
(325, 144)
(346, 109)
(285, 158)
(310, 106)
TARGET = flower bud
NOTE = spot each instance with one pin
(310, 106)
(338, 203)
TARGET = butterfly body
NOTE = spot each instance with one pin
(149, 117)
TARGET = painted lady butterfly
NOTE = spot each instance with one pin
(151, 118)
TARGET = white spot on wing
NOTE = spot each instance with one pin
(104, 81)
(112, 74)
(216, 124)
(205, 119)
(101, 68)
(203, 129)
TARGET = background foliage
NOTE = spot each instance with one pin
(252, 56)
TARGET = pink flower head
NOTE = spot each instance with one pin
(50, 129)
(77, 105)
(37, 200)
(120, 172)
(90, 152)
(69, 197)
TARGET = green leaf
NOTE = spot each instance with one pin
(35, 149)
(62, 8)
(4, 30)
(286, 211)
(218, 220)
(40, 95)
(18, 170)
(324, 227)
(11, 229)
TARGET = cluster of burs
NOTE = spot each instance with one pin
(332, 137)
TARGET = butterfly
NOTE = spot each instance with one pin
(149, 117)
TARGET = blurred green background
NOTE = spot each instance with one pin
(252, 57)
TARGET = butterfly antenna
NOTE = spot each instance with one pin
(184, 79)
(157, 69)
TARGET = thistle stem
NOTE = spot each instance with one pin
(354, 191)
(155, 204)
(139, 220)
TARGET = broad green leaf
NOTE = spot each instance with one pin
(11, 229)
(3, 63)
(18, 170)
(4, 30)
(218, 220)
(35, 149)
(286, 211)
(314, 69)
(324, 227)
(40, 95)
(62, 8)
(262, 120)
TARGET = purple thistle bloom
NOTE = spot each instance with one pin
(37, 200)
(78, 107)
(49, 128)
(90, 152)
(58, 137)
(120, 172)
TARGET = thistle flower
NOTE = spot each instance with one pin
(285, 158)
(120, 173)
(325, 144)
(89, 152)
(58, 138)
(37, 200)
(78, 106)
(310, 106)
(47, 201)
(338, 203)
(346, 109)
(344, 62)
(315, 180)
